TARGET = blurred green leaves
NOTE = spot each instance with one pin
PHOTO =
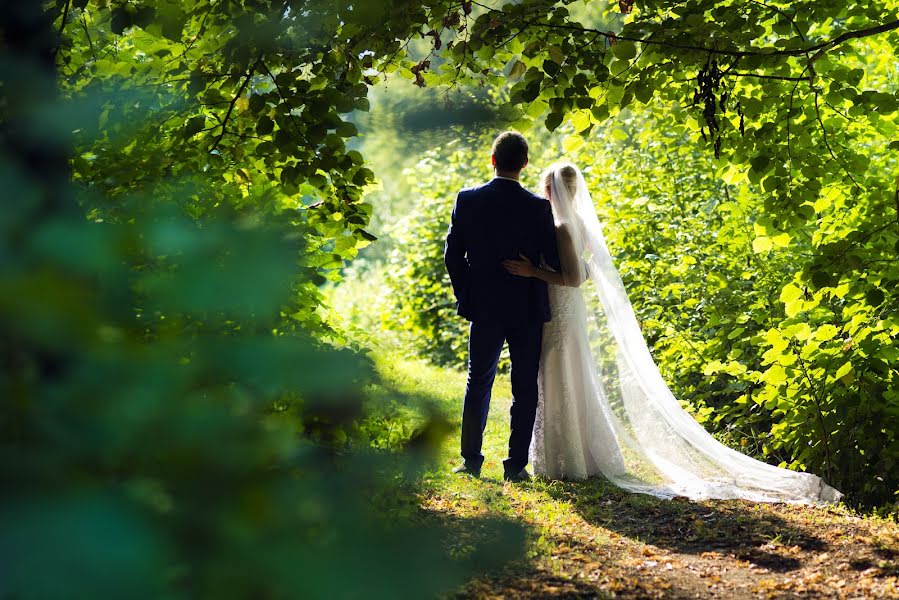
(173, 419)
(86, 543)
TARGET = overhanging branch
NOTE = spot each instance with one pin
(818, 48)
(233, 102)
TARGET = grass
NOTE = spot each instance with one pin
(591, 539)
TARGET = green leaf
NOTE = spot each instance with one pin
(256, 103)
(798, 331)
(553, 120)
(821, 279)
(694, 19)
(760, 163)
(736, 333)
(600, 112)
(172, 18)
(775, 375)
(194, 126)
(781, 240)
(826, 332)
(644, 92)
(712, 368)
(363, 176)
(120, 20)
(796, 306)
(347, 129)
(518, 69)
(789, 293)
(555, 53)
(845, 368)
(844, 371)
(875, 297)
(761, 244)
(265, 125)
(580, 120)
(624, 50)
(776, 340)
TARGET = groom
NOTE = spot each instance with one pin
(490, 223)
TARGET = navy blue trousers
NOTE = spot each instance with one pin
(484, 346)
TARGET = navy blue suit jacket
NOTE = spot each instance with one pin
(491, 223)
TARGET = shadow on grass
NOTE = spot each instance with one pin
(684, 526)
(518, 578)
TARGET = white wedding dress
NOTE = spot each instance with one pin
(573, 434)
(604, 408)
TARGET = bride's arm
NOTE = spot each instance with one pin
(525, 268)
(573, 273)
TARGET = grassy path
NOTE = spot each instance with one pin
(590, 539)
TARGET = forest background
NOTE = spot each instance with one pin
(192, 396)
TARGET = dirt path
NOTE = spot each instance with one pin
(590, 539)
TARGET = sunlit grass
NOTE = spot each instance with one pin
(587, 535)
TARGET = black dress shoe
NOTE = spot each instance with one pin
(466, 470)
(522, 475)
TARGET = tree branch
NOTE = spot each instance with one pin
(784, 14)
(896, 199)
(776, 77)
(825, 435)
(819, 48)
(849, 35)
(281, 94)
(62, 26)
(234, 100)
(827, 143)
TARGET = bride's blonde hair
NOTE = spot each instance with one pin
(567, 172)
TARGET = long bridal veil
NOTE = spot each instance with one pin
(665, 451)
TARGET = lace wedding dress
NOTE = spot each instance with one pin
(604, 408)
(574, 436)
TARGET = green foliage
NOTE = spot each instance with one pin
(789, 308)
(152, 453)
(253, 100)
(159, 339)
(172, 421)
(419, 285)
(769, 367)
(756, 356)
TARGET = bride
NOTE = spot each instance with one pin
(604, 408)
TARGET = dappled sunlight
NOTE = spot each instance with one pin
(591, 538)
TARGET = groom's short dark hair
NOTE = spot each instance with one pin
(510, 150)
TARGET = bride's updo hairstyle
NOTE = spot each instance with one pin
(567, 172)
